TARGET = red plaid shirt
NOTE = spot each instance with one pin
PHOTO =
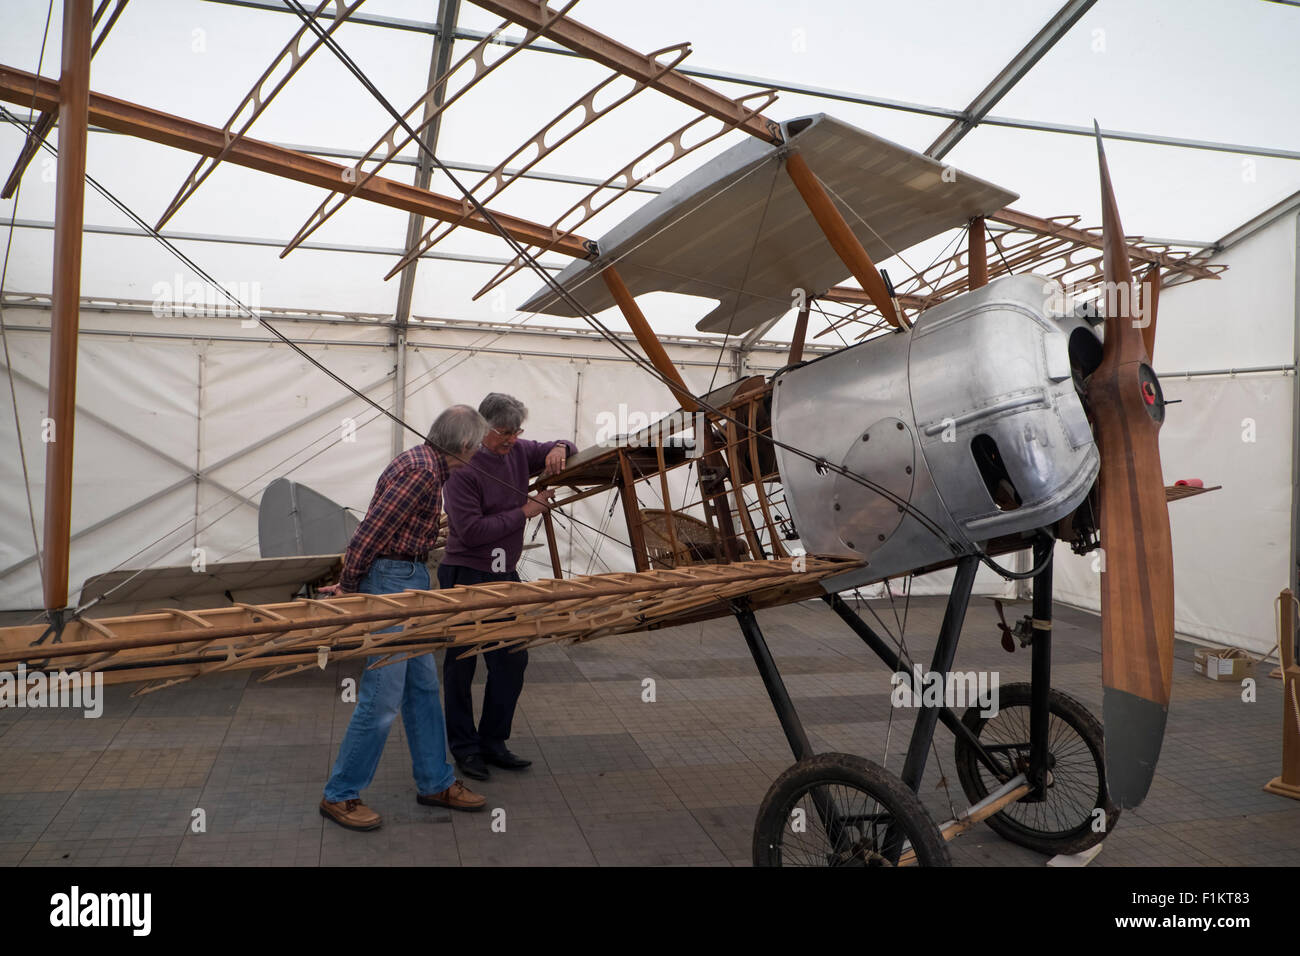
(403, 515)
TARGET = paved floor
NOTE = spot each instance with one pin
(616, 780)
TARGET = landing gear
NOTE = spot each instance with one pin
(1073, 812)
(843, 810)
(1034, 771)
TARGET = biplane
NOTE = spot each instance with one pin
(999, 401)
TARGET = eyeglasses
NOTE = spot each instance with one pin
(508, 434)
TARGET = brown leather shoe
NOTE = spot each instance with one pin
(352, 814)
(457, 797)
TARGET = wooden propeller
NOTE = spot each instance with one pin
(1137, 580)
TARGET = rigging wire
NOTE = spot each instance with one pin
(198, 270)
(902, 634)
(564, 295)
(923, 519)
(998, 246)
(468, 352)
(749, 264)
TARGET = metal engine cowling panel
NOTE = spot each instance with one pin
(990, 369)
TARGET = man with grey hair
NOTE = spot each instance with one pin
(487, 507)
(386, 555)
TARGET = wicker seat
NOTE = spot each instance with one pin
(697, 543)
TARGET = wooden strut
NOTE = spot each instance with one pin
(557, 131)
(718, 481)
(841, 237)
(259, 100)
(40, 130)
(640, 67)
(23, 88)
(977, 254)
(395, 138)
(773, 533)
(1287, 784)
(973, 816)
(65, 314)
(645, 336)
(632, 512)
(658, 356)
(797, 341)
(711, 465)
(552, 545)
(738, 490)
(669, 521)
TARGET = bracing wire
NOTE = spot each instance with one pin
(564, 295)
(633, 356)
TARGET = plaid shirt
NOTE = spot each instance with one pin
(403, 515)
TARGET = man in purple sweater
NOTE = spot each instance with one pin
(487, 506)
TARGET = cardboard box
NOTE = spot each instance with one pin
(1223, 663)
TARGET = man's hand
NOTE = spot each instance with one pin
(330, 590)
(555, 459)
(539, 502)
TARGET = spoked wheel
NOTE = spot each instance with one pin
(1066, 819)
(842, 810)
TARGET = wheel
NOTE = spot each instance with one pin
(872, 810)
(1065, 820)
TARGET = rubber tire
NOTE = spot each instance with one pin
(1089, 729)
(833, 768)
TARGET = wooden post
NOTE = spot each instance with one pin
(977, 254)
(738, 489)
(627, 491)
(654, 350)
(650, 344)
(773, 532)
(69, 217)
(713, 488)
(1288, 784)
(668, 503)
(841, 237)
(800, 333)
(556, 570)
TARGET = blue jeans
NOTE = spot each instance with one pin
(412, 687)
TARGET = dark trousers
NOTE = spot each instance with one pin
(505, 680)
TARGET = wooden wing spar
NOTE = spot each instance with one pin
(169, 646)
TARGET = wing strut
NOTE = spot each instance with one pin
(842, 239)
